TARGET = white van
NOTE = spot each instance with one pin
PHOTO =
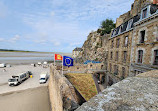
(43, 77)
(17, 79)
(2, 65)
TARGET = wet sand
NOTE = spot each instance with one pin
(36, 99)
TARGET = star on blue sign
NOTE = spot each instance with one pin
(67, 61)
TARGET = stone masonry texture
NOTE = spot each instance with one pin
(138, 93)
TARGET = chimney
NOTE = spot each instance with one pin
(155, 2)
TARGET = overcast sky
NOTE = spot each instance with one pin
(54, 25)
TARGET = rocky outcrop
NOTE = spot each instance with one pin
(138, 93)
(93, 48)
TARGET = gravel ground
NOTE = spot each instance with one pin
(16, 69)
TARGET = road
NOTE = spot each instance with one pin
(96, 83)
(29, 83)
(100, 87)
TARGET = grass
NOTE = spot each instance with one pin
(84, 83)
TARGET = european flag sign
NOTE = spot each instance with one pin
(67, 61)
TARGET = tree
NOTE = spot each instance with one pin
(106, 26)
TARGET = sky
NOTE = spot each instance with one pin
(54, 25)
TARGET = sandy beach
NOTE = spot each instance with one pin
(16, 69)
(29, 95)
(36, 99)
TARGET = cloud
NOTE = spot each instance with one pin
(66, 23)
(52, 13)
(56, 42)
(89, 9)
(14, 39)
(3, 10)
(2, 39)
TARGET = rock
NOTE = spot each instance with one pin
(93, 48)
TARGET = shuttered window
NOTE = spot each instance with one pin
(155, 57)
(140, 56)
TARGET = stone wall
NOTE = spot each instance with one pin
(62, 93)
(132, 94)
(84, 68)
(55, 93)
(76, 67)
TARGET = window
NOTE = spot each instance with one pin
(144, 14)
(106, 55)
(117, 56)
(120, 30)
(157, 34)
(123, 72)
(110, 67)
(129, 26)
(113, 33)
(102, 66)
(132, 6)
(111, 55)
(116, 69)
(126, 41)
(117, 43)
(135, 72)
(124, 56)
(155, 57)
(112, 43)
(140, 56)
(142, 36)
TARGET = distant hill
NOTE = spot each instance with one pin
(15, 50)
(10, 50)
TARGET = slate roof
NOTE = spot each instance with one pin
(124, 26)
(118, 30)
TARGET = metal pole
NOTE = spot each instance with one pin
(62, 64)
(54, 63)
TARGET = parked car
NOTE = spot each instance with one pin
(43, 77)
(39, 63)
(2, 65)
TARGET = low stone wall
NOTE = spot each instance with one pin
(54, 92)
(83, 68)
(138, 93)
(62, 93)
(80, 67)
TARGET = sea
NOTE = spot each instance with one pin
(27, 57)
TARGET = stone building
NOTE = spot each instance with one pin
(120, 48)
(144, 54)
(76, 52)
(120, 51)
(123, 39)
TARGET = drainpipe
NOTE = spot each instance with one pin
(132, 50)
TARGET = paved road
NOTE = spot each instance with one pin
(96, 84)
(29, 83)
(100, 87)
